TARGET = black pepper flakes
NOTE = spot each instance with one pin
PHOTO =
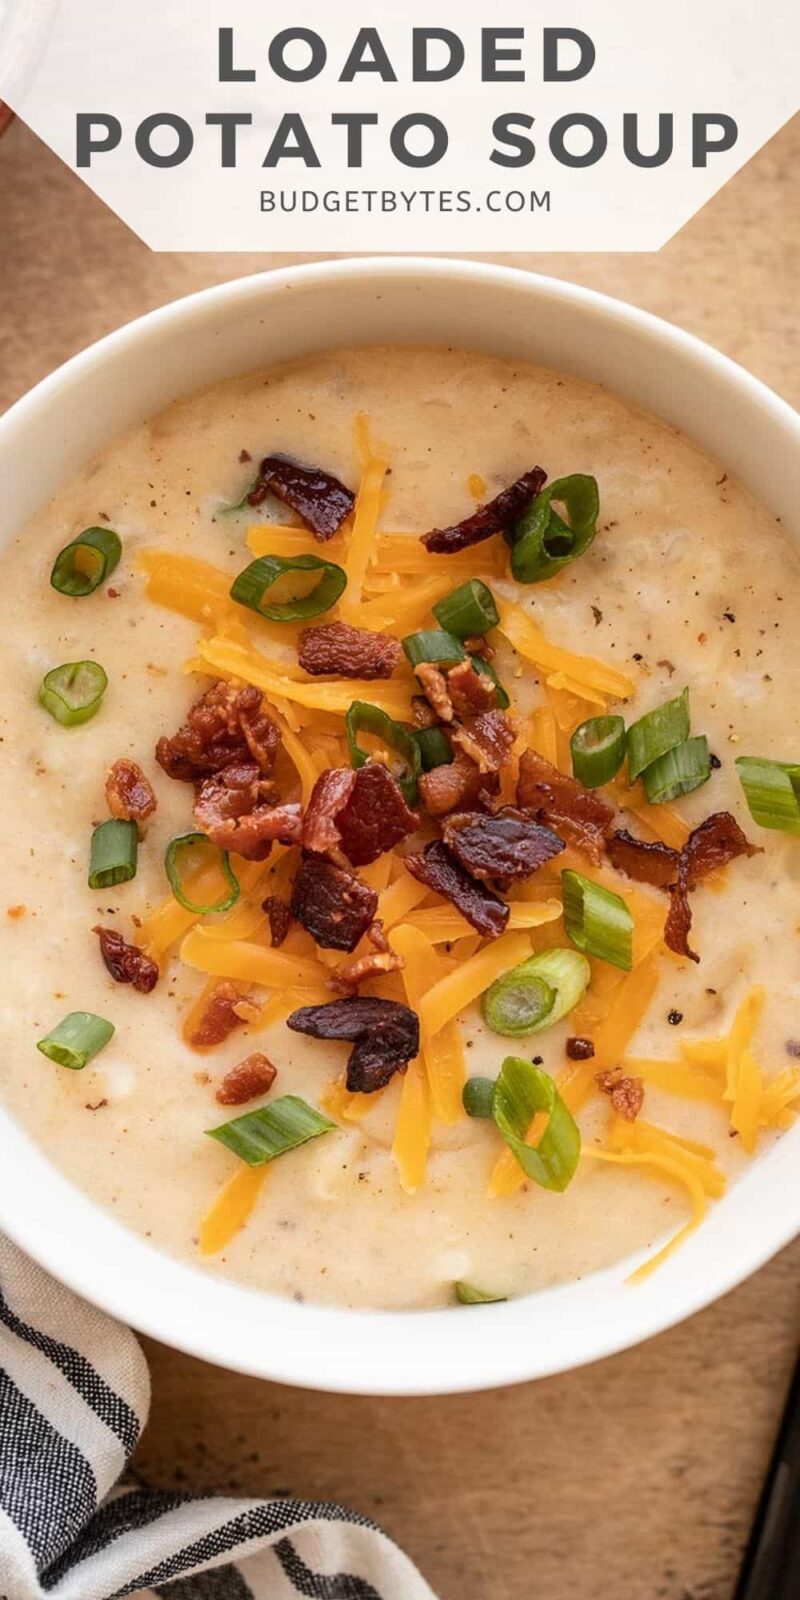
(674, 1018)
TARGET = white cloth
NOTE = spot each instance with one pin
(74, 1398)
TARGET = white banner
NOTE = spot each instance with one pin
(338, 125)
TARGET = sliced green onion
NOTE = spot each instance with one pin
(520, 1093)
(656, 733)
(262, 1135)
(772, 792)
(536, 994)
(680, 771)
(467, 1294)
(597, 920)
(435, 749)
(469, 611)
(76, 1040)
(477, 1095)
(486, 670)
(251, 587)
(176, 847)
(598, 750)
(543, 541)
(113, 854)
(86, 562)
(72, 693)
(435, 647)
(365, 718)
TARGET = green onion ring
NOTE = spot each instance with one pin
(543, 542)
(435, 749)
(432, 646)
(469, 611)
(678, 771)
(113, 853)
(251, 586)
(372, 719)
(172, 870)
(76, 1039)
(597, 920)
(260, 1136)
(536, 994)
(598, 750)
(521, 1091)
(772, 792)
(486, 670)
(656, 733)
(73, 692)
(66, 575)
(468, 1294)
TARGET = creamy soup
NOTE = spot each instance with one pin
(688, 582)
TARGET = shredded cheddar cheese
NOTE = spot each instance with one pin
(458, 990)
(525, 636)
(250, 963)
(444, 925)
(231, 1209)
(412, 1135)
(228, 658)
(444, 1060)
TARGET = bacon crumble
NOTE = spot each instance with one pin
(487, 738)
(126, 962)
(455, 784)
(714, 843)
(654, 863)
(236, 808)
(251, 1077)
(332, 904)
(626, 1094)
(494, 517)
(384, 1033)
(579, 816)
(225, 726)
(434, 683)
(437, 867)
(218, 1019)
(375, 964)
(470, 691)
(279, 913)
(336, 647)
(506, 844)
(356, 816)
(319, 498)
(129, 794)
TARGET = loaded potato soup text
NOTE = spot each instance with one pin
(401, 865)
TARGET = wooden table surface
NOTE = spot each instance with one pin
(635, 1478)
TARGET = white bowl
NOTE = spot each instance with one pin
(237, 328)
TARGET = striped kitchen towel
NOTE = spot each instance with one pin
(74, 1396)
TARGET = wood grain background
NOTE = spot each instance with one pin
(635, 1478)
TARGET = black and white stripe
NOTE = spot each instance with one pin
(74, 1394)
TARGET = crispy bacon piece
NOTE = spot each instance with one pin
(226, 725)
(280, 918)
(319, 498)
(715, 842)
(654, 863)
(219, 1017)
(249, 1078)
(236, 808)
(129, 794)
(349, 652)
(470, 691)
(626, 1094)
(422, 712)
(385, 1036)
(375, 964)
(712, 844)
(487, 738)
(434, 684)
(126, 962)
(578, 815)
(332, 904)
(440, 870)
(356, 816)
(454, 785)
(579, 1048)
(494, 517)
(506, 844)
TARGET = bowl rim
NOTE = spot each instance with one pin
(377, 1352)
